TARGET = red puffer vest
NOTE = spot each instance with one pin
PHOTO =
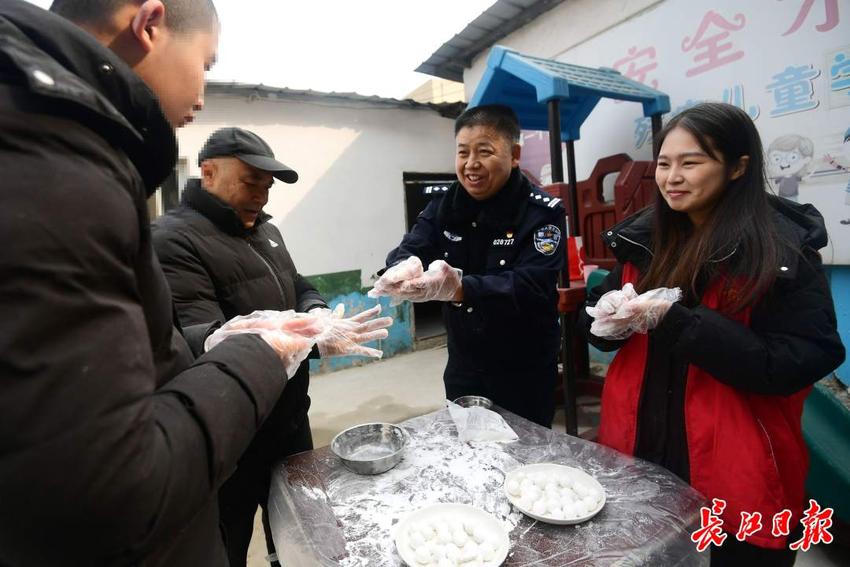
(746, 449)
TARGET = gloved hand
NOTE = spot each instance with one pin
(390, 283)
(623, 312)
(345, 336)
(291, 336)
(440, 283)
(609, 303)
(648, 309)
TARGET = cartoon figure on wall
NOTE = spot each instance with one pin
(788, 159)
(844, 169)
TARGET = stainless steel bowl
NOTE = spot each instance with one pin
(371, 448)
(469, 401)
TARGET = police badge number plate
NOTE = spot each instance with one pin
(546, 239)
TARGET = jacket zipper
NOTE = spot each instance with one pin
(649, 344)
(271, 271)
(770, 448)
(635, 243)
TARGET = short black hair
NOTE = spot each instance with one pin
(181, 16)
(497, 116)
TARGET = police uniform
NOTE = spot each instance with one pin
(503, 339)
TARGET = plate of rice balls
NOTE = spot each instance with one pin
(555, 494)
(443, 535)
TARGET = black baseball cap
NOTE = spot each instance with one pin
(248, 147)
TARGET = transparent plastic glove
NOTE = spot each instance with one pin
(440, 283)
(648, 309)
(346, 336)
(290, 336)
(390, 283)
(633, 313)
(609, 303)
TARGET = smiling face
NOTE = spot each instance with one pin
(484, 159)
(244, 188)
(787, 163)
(691, 180)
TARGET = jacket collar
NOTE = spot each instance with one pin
(87, 82)
(501, 212)
(217, 211)
(798, 226)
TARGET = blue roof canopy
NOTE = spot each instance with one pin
(527, 83)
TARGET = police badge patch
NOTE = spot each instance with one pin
(546, 239)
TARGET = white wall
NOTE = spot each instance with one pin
(347, 209)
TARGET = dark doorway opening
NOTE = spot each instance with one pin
(419, 189)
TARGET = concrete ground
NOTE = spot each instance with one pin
(409, 385)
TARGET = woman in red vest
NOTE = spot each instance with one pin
(723, 319)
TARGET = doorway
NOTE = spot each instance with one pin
(419, 189)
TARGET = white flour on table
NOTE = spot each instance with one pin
(436, 468)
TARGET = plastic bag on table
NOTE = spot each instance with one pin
(480, 424)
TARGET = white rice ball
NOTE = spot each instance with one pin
(416, 539)
(468, 553)
(539, 507)
(459, 537)
(480, 535)
(488, 550)
(423, 555)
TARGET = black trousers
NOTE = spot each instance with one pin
(248, 488)
(734, 553)
(528, 392)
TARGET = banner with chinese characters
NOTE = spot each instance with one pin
(785, 62)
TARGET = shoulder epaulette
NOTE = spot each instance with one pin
(543, 199)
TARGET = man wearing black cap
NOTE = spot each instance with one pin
(223, 258)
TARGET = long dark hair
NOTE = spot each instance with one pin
(738, 237)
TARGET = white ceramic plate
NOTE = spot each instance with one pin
(486, 526)
(556, 472)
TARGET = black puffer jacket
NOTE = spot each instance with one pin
(792, 340)
(113, 438)
(218, 269)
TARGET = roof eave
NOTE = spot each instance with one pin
(502, 18)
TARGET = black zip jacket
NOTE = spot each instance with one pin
(217, 269)
(114, 439)
(792, 340)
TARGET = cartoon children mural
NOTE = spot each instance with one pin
(788, 159)
(845, 169)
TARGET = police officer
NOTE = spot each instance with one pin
(493, 245)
